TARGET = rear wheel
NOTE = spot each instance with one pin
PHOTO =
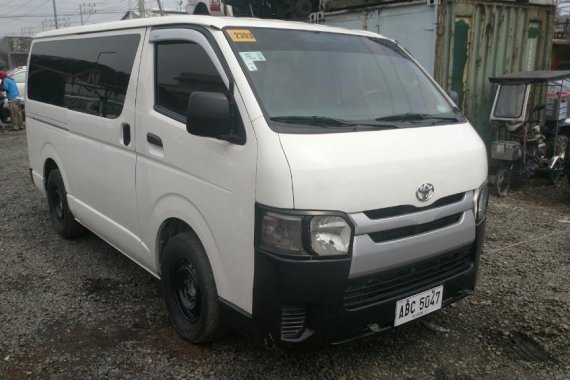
(189, 289)
(62, 218)
(503, 180)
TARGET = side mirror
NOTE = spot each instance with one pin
(454, 96)
(208, 114)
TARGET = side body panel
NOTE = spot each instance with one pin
(207, 183)
(97, 163)
(101, 168)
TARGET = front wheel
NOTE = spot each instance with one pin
(503, 182)
(189, 289)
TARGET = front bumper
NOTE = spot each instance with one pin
(299, 303)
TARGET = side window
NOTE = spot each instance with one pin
(182, 68)
(89, 75)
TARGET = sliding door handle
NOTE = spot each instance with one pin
(126, 134)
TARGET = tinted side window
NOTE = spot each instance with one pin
(89, 75)
(182, 68)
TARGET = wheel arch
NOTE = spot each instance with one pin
(51, 161)
(175, 214)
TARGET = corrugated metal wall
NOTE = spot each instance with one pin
(413, 25)
(478, 40)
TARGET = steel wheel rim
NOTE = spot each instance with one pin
(186, 287)
(57, 202)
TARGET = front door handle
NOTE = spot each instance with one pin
(126, 134)
(154, 139)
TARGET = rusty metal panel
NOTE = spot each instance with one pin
(477, 40)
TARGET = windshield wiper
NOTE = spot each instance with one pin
(312, 120)
(324, 121)
(416, 117)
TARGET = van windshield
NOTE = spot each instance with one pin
(325, 81)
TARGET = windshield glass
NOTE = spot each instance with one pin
(326, 80)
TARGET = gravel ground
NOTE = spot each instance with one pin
(72, 309)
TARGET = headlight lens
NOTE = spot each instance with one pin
(303, 233)
(481, 201)
(330, 235)
(282, 233)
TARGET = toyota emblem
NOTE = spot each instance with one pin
(425, 192)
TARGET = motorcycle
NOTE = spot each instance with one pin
(529, 140)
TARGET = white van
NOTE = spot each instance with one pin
(300, 183)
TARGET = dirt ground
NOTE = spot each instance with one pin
(79, 309)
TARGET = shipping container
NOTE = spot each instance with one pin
(463, 42)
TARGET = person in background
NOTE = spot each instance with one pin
(3, 111)
(14, 105)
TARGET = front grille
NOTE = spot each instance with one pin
(416, 229)
(383, 286)
(409, 209)
(292, 321)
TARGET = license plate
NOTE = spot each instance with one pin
(418, 305)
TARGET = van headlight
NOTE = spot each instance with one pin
(315, 234)
(330, 235)
(480, 201)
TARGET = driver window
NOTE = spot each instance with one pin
(182, 68)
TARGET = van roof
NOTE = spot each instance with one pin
(207, 21)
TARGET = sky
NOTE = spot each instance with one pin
(27, 17)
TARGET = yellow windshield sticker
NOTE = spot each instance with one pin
(241, 35)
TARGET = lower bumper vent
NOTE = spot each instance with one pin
(293, 319)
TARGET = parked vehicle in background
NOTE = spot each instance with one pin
(19, 75)
(276, 9)
(208, 7)
(304, 184)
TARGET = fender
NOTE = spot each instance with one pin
(48, 151)
(172, 205)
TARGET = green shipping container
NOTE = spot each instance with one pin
(477, 40)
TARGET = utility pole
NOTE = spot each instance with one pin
(141, 9)
(55, 15)
(81, 13)
(160, 7)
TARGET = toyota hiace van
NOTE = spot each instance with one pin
(303, 184)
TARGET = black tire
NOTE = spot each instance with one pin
(190, 289)
(503, 180)
(555, 177)
(567, 162)
(63, 220)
